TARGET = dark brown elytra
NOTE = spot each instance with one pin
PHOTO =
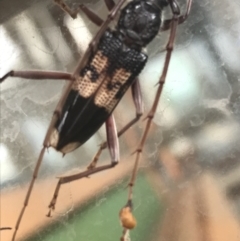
(110, 65)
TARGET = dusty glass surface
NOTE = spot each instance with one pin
(189, 183)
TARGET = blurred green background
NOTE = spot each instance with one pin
(98, 220)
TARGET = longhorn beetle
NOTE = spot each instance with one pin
(110, 65)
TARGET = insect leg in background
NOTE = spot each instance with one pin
(5, 228)
(172, 25)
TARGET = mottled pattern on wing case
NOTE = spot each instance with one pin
(111, 66)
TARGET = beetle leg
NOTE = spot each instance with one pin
(112, 140)
(40, 158)
(90, 14)
(166, 25)
(75, 177)
(27, 197)
(110, 4)
(5, 228)
(37, 74)
(169, 48)
(138, 102)
(92, 45)
(93, 17)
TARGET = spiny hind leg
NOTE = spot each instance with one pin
(169, 48)
(93, 17)
(113, 146)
